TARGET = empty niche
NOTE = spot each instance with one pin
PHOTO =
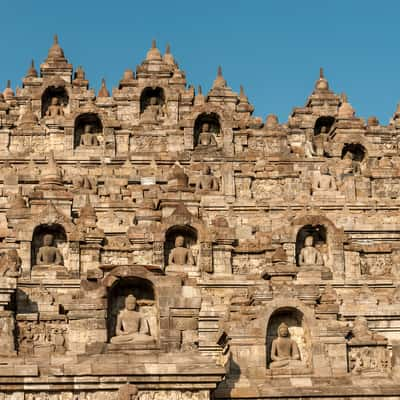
(356, 151)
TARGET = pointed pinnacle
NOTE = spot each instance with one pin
(200, 90)
(153, 44)
(55, 40)
(321, 73)
(8, 84)
(168, 49)
(219, 73)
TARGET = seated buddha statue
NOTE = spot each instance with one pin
(180, 255)
(284, 351)
(207, 181)
(88, 137)
(55, 109)
(309, 255)
(206, 138)
(132, 326)
(152, 112)
(48, 254)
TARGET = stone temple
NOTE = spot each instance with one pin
(160, 243)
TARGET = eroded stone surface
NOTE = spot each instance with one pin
(155, 241)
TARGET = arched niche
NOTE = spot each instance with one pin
(145, 295)
(89, 123)
(319, 234)
(356, 150)
(59, 240)
(210, 121)
(186, 231)
(298, 331)
(54, 92)
(150, 93)
(323, 125)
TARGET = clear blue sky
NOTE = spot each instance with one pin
(273, 48)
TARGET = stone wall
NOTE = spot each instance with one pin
(161, 243)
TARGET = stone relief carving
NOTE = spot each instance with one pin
(10, 264)
(39, 338)
(376, 265)
(364, 360)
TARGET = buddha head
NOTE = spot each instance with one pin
(54, 101)
(47, 239)
(88, 129)
(153, 101)
(130, 302)
(206, 170)
(309, 241)
(324, 129)
(205, 127)
(179, 241)
(283, 330)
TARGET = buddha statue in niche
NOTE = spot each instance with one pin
(207, 181)
(309, 255)
(325, 180)
(88, 137)
(132, 326)
(48, 254)
(55, 109)
(152, 112)
(284, 351)
(180, 255)
(206, 138)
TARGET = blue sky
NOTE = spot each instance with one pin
(273, 48)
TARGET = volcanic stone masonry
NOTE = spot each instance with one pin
(158, 243)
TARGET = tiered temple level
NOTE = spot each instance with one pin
(158, 243)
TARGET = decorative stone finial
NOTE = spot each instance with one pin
(242, 96)
(345, 109)
(271, 121)
(153, 54)
(219, 81)
(103, 92)
(168, 57)
(56, 53)
(8, 92)
(32, 73)
(322, 84)
(28, 117)
(52, 175)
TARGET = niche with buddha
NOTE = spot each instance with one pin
(152, 104)
(180, 246)
(288, 340)
(132, 313)
(54, 102)
(207, 129)
(88, 131)
(311, 246)
(48, 245)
